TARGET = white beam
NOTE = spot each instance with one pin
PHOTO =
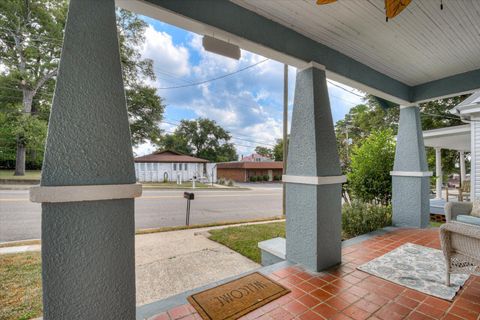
(438, 171)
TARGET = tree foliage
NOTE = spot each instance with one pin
(30, 46)
(202, 138)
(371, 163)
(264, 151)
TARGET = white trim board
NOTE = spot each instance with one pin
(85, 193)
(314, 179)
(411, 173)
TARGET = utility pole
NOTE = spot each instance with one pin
(285, 130)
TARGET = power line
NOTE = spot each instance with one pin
(216, 78)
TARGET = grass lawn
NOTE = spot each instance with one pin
(245, 239)
(20, 286)
(29, 175)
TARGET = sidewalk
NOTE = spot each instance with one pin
(169, 263)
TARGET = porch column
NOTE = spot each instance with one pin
(410, 178)
(438, 172)
(88, 178)
(463, 174)
(313, 178)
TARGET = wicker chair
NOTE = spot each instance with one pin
(461, 248)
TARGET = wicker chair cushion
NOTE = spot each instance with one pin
(469, 219)
(476, 209)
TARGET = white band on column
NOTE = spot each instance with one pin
(312, 64)
(411, 173)
(314, 179)
(85, 193)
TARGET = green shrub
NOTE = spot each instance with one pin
(371, 163)
(230, 183)
(221, 181)
(265, 177)
(359, 218)
(253, 178)
(277, 178)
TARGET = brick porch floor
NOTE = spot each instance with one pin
(346, 293)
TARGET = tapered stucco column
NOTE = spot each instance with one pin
(313, 178)
(438, 172)
(88, 179)
(410, 175)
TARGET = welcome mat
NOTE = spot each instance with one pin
(416, 267)
(236, 298)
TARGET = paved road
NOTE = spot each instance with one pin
(21, 219)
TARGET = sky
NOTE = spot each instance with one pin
(249, 104)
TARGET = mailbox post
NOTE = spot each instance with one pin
(189, 196)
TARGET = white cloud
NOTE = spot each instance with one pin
(168, 58)
(249, 104)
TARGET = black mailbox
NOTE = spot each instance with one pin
(189, 195)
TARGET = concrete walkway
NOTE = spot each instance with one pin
(169, 263)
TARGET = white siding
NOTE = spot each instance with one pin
(475, 164)
(155, 172)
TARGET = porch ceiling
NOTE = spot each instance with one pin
(452, 138)
(422, 54)
(421, 44)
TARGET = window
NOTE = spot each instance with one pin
(186, 166)
(174, 167)
(180, 167)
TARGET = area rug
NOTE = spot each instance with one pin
(416, 267)
(236, 298)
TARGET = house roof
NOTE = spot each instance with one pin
(452, 138)
(468, 106)
(168, 156)
(251, 165)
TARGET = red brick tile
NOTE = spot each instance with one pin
(437, 303)
(429, 310)
(407, 302)
(341, 316)
(179, 312)
(367, 305)
(450, 316)
(325, 310)
(419, 316)
(320, 294)
(466, 304)
(332, 289)
(415, 295)
(318, 282)
(280, 314)
(295, 308)
(351, 279)
(309, 301)
(309, 315)
(358, 291)
(356, 313)
(306, 286)
(372, 297)
(338, 303)
(463, 313)
(163, 316)
(386, 314)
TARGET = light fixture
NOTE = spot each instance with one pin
(221, 47)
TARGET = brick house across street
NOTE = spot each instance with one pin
(241, 171)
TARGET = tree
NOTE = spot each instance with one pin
(278, 150)
(202, 138)
(29, 52)
(371, 162)
(264, 151)
(145, 107)
(30, 47)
